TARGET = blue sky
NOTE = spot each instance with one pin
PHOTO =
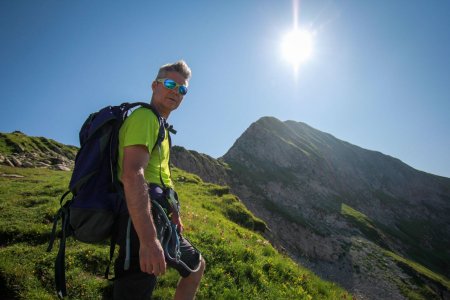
(379, 75)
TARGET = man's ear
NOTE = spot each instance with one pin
(154, 83)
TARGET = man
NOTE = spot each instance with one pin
(143, 169)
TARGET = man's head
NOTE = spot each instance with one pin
(180, 67)
(170, 86)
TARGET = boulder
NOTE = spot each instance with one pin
(27, 164)
(8, 162)
(41, 164)
(16, 162)
(57, 160)
(12, 175)
(60, 167)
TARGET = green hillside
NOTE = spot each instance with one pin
(17, 142)
(241, 264)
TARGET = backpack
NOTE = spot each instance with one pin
(97, 195)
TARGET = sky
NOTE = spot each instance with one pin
(378, 76)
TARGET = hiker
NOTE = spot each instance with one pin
(145, 175)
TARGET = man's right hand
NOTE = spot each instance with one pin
(151, 258)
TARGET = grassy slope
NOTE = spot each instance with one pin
(17, 142)
(423, 275)
(241, 264)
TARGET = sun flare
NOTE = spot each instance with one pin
(297, 46)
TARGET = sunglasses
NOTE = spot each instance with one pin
(170, 84)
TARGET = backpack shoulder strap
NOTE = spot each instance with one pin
(162, 122)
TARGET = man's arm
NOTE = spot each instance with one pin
(151, 254)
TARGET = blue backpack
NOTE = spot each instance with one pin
(97, 195)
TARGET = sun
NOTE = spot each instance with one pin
(297, 46)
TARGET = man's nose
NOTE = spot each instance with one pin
(176, 91)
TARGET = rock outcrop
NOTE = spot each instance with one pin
(20, 150)
(208, 168)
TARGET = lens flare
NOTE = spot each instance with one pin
(297, 46)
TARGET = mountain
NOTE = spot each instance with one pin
(241, 264)
(358, 217)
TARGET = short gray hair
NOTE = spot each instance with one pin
(180, 67)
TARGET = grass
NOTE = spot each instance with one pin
(241, 264)
(437, 257)
(423, 278)
(423, 283)
(413, 267)
(364, 224)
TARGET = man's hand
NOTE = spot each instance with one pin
(151, 258)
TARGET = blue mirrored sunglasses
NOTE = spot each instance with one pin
(171, 84)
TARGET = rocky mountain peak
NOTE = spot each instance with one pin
(272, 142)
(290, 146)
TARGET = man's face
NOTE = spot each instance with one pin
(166, 100)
